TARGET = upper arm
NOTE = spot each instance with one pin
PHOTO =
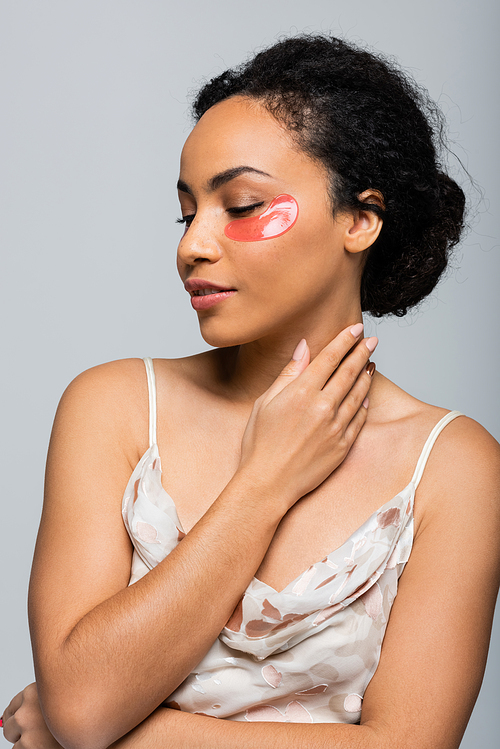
(435, 648)
(83, 553)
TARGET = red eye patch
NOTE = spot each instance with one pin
(279, 218)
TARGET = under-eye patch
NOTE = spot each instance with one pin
(275, 221)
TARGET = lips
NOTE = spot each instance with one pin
(201, 284)
(205, 294)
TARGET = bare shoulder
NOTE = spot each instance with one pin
(108, 402)
(465, 454)
(108, 380)
(467, 444)
(108, 383)
(463, 468)
(111, 399)
(457, 507)
(461, 482)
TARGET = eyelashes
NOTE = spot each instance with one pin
(235, 211)
(185, 219)
(245, 208)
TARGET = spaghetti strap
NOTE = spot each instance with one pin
(430, 443)
(152, 399)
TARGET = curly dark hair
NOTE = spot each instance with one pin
(373, 128)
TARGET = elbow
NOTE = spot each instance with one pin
(78, 723)
(72, 737)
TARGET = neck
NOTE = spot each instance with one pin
(248, 370)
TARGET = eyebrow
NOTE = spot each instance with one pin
(222, 178)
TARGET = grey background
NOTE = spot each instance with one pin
(93, 115)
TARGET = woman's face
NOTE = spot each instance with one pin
(239, 157)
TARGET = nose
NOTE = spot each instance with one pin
(198, 244)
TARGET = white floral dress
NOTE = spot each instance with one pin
(304, 654)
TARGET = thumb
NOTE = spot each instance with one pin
(299, 361)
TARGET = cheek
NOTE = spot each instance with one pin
(275, 221)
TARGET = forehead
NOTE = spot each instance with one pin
(241, 131)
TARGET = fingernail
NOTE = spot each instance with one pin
(370, 368)
(371, 344)
(366, 402)
(300, 350)
(357, 329)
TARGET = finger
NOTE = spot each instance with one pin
(350, 370)
(328, 360)
(356, 424)
(297, 364)
(13, 705)
(356, 396)
(11, 730)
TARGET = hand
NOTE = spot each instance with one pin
(23, 722)
(303, 426)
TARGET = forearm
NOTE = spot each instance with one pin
(172, 729)
(123, 658)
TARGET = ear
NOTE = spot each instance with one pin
(364, 227)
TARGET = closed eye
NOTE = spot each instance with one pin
(236, 211)
(245, 208)
(188, 220)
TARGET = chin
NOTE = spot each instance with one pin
(221, 340)
(224, 336)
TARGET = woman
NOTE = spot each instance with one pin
(311, 191)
